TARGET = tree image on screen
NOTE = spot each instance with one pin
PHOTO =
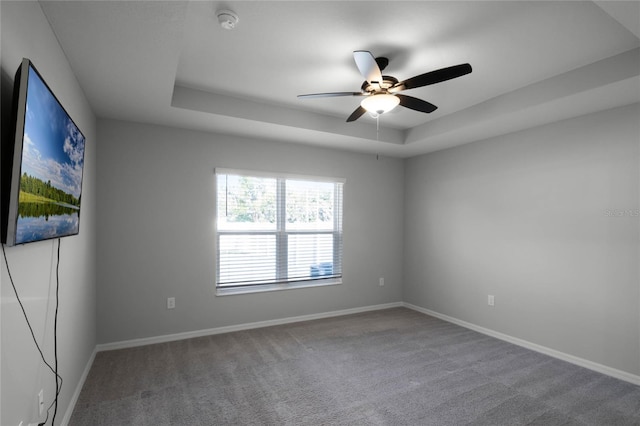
(52, 163)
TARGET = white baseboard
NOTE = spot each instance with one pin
(248, 326)
(609, 371)
(76, 392)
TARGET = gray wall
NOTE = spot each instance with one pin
(156, 233)
(547, 221)
(26, 33)
(542, 219)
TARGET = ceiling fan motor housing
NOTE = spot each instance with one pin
(379, 87)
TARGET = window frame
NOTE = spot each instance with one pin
(282, 281)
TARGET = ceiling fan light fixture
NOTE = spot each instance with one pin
(380, 103)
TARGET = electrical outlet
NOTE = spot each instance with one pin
(381, 282)
(41, 401)
(171, 302)
(490, 300)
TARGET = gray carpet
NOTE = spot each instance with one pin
(390, 367)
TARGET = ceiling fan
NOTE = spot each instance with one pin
(381, 91)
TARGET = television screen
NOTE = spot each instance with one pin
(47, 164)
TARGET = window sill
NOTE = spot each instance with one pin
(277, 287)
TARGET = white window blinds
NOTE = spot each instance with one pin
(277, 229)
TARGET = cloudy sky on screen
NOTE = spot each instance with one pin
(53, 147)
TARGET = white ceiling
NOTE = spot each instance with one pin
(170, 63)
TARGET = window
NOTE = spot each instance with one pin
(276, 231)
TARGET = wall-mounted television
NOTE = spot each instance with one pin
(42, 165)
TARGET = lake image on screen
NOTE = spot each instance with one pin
(52, 223)
(51, 174)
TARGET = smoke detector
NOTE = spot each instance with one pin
(227, 19)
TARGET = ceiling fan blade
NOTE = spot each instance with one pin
(331, 94)
(436, 76)
(356, 114)
(367, 65)
(416, 104)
